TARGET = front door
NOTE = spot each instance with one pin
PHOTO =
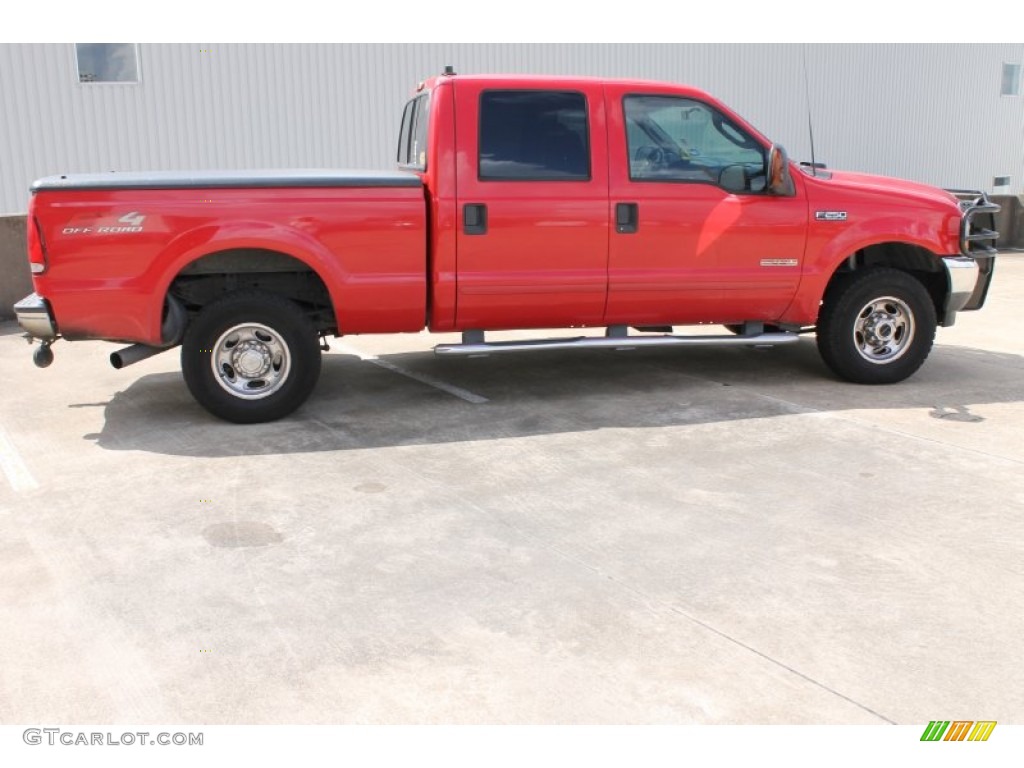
(533, 206)
(709, 242)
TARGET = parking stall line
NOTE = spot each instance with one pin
(430, 381)
(14, 467)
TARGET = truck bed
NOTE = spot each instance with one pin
(115, 240)
(226, 179)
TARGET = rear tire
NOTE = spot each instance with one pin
(876, 326)
(251, 357)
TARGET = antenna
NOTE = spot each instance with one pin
(810, 127)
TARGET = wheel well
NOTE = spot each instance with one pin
(208, 278)
(916, 261)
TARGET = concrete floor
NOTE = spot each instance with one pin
(665, 536)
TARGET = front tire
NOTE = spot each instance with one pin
(251, 357)
(876, 326)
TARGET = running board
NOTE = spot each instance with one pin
(477, 346)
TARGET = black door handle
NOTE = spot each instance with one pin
(627, 218)
(474, 219)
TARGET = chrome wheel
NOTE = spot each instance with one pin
(250, 361)
(883, 330)
(251, 357)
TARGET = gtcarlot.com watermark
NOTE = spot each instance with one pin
(54, 736)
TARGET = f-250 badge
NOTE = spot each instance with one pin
(830, 215)
(130, 222)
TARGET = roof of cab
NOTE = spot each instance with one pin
(567, 81)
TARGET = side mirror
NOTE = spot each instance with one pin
(779, 181)
(733, 178)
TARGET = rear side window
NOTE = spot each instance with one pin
(403, 136)
(534, 136)
(412, 139)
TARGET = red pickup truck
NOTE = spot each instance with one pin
(518, 203)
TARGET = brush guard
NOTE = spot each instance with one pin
(978, 238)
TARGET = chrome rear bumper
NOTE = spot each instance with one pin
(36, 318)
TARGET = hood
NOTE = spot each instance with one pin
(886, 185)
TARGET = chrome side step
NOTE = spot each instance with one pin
(616, 339)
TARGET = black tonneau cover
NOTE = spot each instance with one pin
(226, 179)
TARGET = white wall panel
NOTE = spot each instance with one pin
(926, 112)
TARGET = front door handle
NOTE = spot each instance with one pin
(627, 218)
(474, 219)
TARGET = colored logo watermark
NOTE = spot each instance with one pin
(958, 730)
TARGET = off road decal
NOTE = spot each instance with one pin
(130, 222)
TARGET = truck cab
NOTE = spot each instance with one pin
(587, 203)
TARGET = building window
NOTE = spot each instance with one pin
(1011, 80)
(107, 62)
(534, 136)
(1001, 181)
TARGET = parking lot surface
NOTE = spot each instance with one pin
(659, 536)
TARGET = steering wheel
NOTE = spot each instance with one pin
(653, 158)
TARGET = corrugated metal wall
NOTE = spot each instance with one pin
(926, 112)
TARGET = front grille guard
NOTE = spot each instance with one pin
(976, 241)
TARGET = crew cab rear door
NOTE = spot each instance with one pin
(691, 244)
(533, 216)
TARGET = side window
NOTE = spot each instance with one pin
(534, 136)
(403, 135)
(418, 139)
(412, 139)
(676, 139)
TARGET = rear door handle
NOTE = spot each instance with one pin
(627, 218)
(474, 219)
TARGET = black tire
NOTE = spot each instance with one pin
(271, 336)
(876, 326)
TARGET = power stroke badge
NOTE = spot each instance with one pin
(830, 215)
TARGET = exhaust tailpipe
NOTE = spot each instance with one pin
(172, 330)
(133, 354)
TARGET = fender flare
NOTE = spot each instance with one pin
(920, 232)
(194, 244)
